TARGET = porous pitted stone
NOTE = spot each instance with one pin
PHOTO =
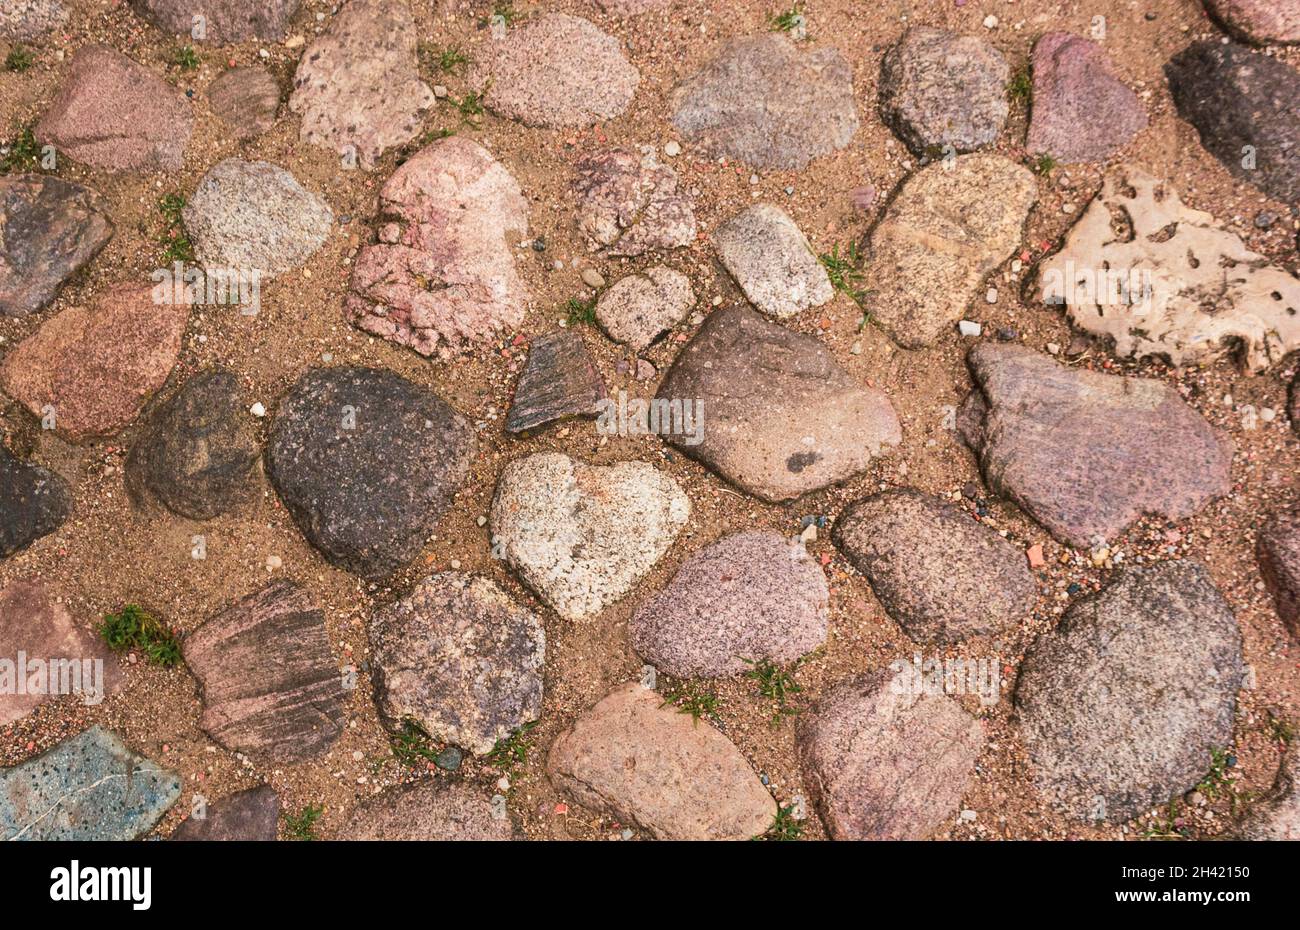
(884, 762)
(114, 114)
(939, 89)
(366, 462)
(87, 788)
(1121, 707)
(772, 261)
(748, 598)
(358, 86)
(97, 366)
(643, 761)
(557, 71)
(197, 450)
(270, 685)
(629, 204)
(938, 573)
(1243, 104)
(1084, 453)
(941, 236)
(559, 380)
(442, 271)
(459, 658)
(253, 216)
(1081, 111)
(251, 815)
(780, 418)
(1155, 281)
(638, 309)
(582, 535)
(49, 229)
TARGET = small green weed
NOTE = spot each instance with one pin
(302, 826)
(133, 628)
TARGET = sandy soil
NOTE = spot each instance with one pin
(109, 553)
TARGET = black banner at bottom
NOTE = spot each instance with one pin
(301, 880)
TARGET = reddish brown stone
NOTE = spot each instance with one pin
(887, 762)
(246, 815)
(247, 99)
(33, 623)
(115, 114)
(96, 366)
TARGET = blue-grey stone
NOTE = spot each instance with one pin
(89, 787)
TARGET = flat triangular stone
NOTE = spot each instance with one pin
(115, 114)
(559, 380)
(89, 787)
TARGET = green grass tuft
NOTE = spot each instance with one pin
(514, 749)
(775, 684)
(844, 271)
(694, 699)
(790, 20)
(581, 311)
(1021, 87)
(785, 826)
(133, 628)
(1044, 164)
(450, 60)
(411, 745)
(175, 244)
(186, 58)
(24, 153)
(302, 826)
(19, 59)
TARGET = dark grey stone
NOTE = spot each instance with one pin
(34, 502)
(1236, 97)
(197, 449)
(366, 462)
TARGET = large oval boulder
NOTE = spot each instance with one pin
(1122, 706)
